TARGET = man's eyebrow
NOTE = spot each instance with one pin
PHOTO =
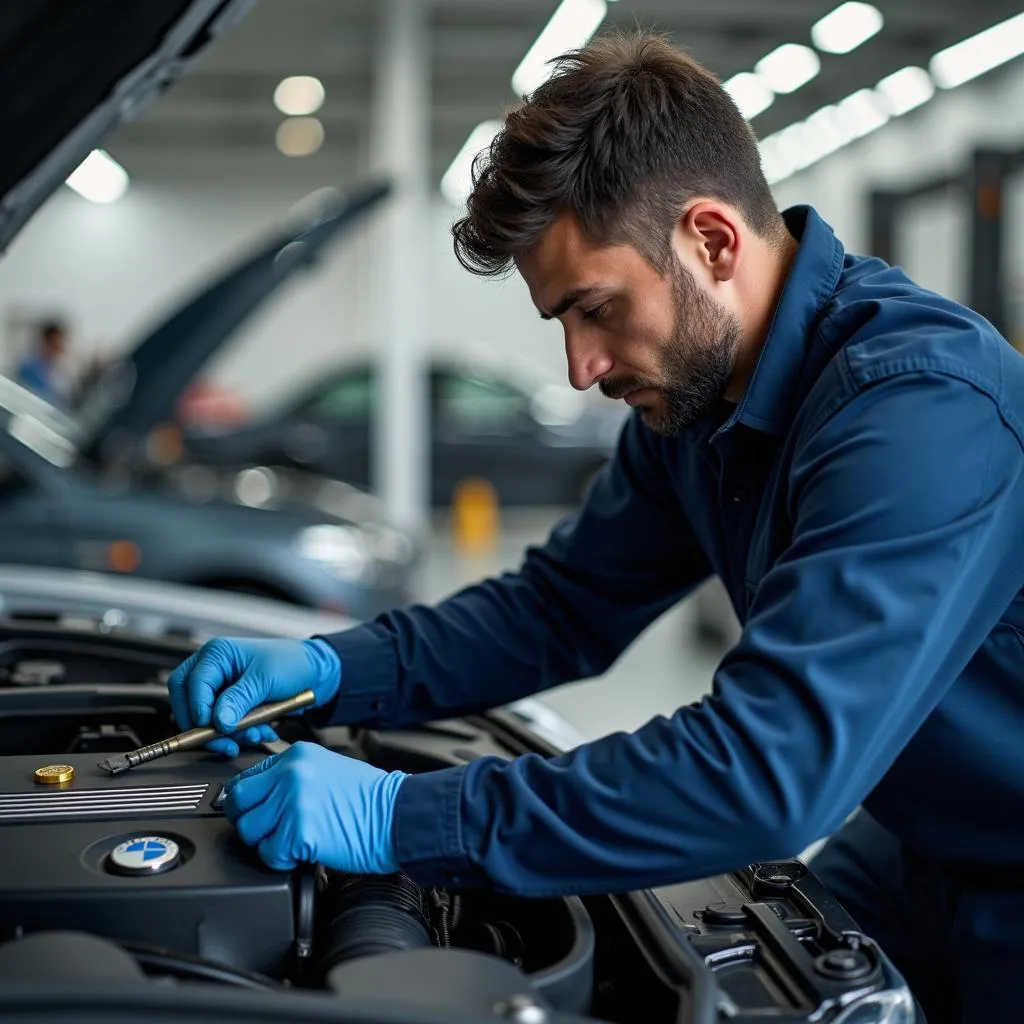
(568, 300)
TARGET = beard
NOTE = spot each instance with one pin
(696, 362)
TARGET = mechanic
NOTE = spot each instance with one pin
(842, 447)
(42, 369)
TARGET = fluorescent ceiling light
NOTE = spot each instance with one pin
(299, 95)
(862, 112)
(848, 26)
(825, 131)
(980, 53)
(905, 89)
(775, 161)
(300, 136)
(750, 93)
(797, 143)
(788, 67)
(99, 178)
(458, 179)
(570, 27)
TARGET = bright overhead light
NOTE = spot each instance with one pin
(905, 89)
(848, 26)
(99, 178)
(750, 93)
(798, 143)
(299, 95)
(825, 131)
(776, 162)
(458, 179)
(300, 136)
(980, 53)
(862, 112)
(788, 67)
(570, 27)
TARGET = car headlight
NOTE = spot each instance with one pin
(341, 549)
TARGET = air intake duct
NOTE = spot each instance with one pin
(365, 915)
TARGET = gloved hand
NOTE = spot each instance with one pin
(225, 679)
(312, 805)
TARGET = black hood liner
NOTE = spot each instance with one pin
(72, 71)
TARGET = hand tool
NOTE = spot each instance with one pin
(197, 737)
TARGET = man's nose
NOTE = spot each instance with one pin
(588, 361)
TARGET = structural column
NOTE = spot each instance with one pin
(400, 150)
(987, 177)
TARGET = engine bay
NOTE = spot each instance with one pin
(139, 879)
(147, 861)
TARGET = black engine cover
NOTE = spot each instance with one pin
(219, 902)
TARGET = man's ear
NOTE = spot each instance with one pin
(714, 231)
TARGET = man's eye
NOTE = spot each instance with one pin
(596, 313)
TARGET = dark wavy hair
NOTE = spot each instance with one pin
(622, 135)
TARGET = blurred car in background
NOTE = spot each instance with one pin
(57, 510)
(103, 489)
(536, 443)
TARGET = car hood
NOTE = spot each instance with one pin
(119, 603)
(149, 608)
(139, 391)
(76, 71)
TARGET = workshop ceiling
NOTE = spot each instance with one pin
(226, 103)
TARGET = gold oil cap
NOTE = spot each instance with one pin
(52, 773)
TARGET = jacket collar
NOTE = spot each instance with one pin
(771, 395)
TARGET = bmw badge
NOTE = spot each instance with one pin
(145, 855)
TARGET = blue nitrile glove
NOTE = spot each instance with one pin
(225, 679)
(311, 805)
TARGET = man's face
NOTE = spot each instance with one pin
(658, 341)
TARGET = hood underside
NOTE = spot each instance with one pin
(139, 392)
(72, 72)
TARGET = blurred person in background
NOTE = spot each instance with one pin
(843, 448)
(44, 368)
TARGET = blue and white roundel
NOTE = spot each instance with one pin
(145, 855)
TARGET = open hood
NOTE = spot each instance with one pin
(139, 391)
(71, 73)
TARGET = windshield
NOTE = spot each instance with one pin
(348, 395)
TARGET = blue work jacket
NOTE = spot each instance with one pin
(864, 505)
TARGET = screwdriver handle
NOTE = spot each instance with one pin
(197, 737)
(258, 716)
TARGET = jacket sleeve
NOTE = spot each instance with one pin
(576, 603)
(905, 549)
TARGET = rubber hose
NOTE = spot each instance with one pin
(365, 915)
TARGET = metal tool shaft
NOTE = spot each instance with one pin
(197, 737)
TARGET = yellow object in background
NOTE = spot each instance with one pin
(475, 518)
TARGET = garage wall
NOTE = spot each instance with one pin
(935, 139)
